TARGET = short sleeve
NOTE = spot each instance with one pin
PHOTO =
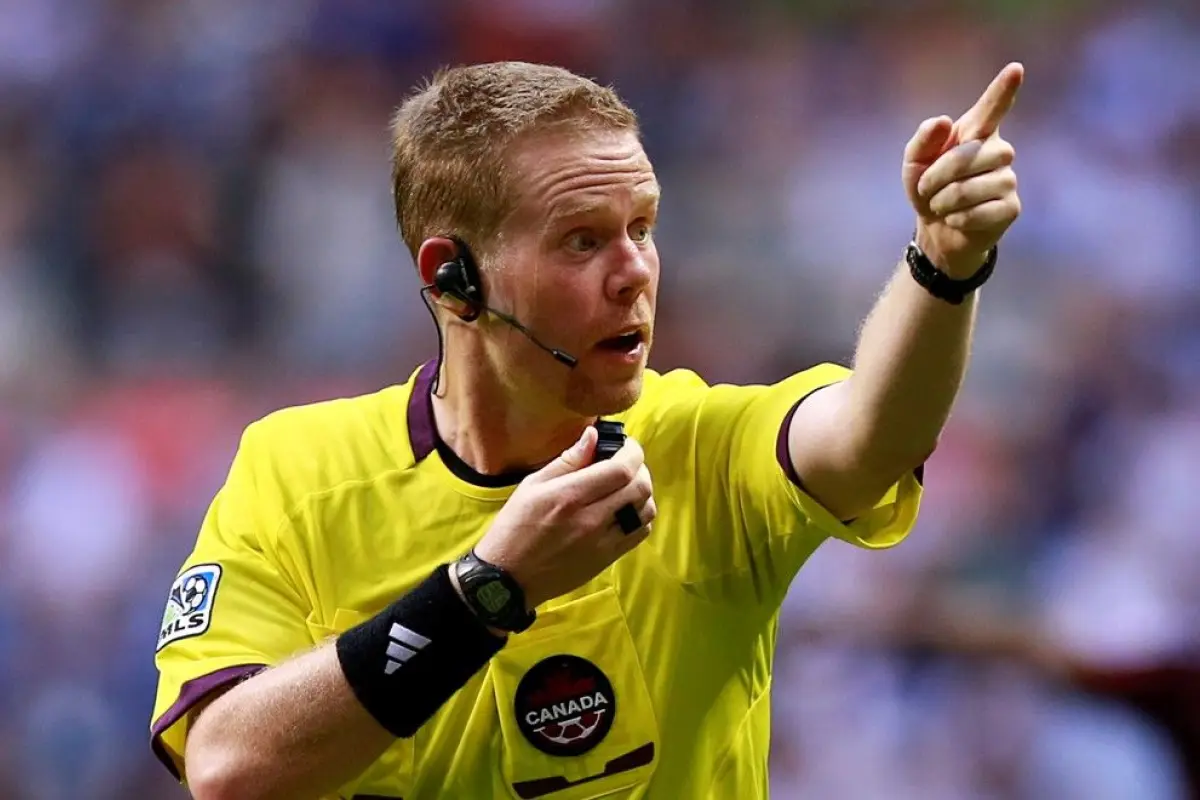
(752, 525)
(232, 609)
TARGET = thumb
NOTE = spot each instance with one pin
(929, 142)
(574, 458)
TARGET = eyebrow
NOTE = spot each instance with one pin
(641, 197)
(574, 210)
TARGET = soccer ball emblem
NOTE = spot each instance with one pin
(572, 730)
(194, 590)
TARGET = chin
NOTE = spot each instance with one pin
(602, 400)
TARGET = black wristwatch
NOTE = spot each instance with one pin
(941, 285)
(492, 594)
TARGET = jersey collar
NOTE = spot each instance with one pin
(424, 438)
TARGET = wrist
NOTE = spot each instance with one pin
(407, 660)
(960, 266)
(529, 587)
(939, 283)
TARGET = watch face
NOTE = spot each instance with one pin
(493, 596)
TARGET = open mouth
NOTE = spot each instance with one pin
(625, 343)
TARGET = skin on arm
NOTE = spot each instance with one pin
(329, 736)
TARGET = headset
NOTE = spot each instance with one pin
(459, 278)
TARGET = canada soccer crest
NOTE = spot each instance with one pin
(565, 705)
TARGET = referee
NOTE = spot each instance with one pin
(454, 587)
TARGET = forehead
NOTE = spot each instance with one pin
(568, 172)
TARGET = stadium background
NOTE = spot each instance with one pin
(195, 229)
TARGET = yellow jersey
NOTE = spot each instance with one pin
(651, 681)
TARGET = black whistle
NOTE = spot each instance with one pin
(610, 438)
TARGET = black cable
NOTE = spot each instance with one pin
(426, 292)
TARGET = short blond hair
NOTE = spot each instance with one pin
(450, 142)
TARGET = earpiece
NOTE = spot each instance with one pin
(460, 279)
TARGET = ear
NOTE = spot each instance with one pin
(433, 253)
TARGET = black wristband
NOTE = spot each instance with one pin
(941, 285)
(410, 658)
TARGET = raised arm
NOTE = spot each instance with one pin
(850, 442)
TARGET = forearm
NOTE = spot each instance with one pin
(295, 731)
(303, 729)
(910, 361)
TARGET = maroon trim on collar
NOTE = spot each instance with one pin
(422, 430)
(424, 438)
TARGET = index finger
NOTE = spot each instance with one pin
(983, 118)
(602, 478)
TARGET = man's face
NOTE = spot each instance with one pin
(576, 263)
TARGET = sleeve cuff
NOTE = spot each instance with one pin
(884, 526)
(191, 693)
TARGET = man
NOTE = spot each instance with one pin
(439, 591)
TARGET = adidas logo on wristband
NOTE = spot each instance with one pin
(403, 645)
(457, 647)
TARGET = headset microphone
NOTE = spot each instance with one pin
(460, 279)
(560, 356)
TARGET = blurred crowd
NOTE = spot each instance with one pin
(195, 229)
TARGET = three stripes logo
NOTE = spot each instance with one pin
(404, 645)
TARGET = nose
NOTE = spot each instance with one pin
(634, 271)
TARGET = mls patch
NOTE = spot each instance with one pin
(190, 604)
(565, 705)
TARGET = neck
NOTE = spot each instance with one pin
(493, 429)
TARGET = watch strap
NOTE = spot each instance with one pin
(941, 285)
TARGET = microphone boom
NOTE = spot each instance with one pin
(561, 356)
